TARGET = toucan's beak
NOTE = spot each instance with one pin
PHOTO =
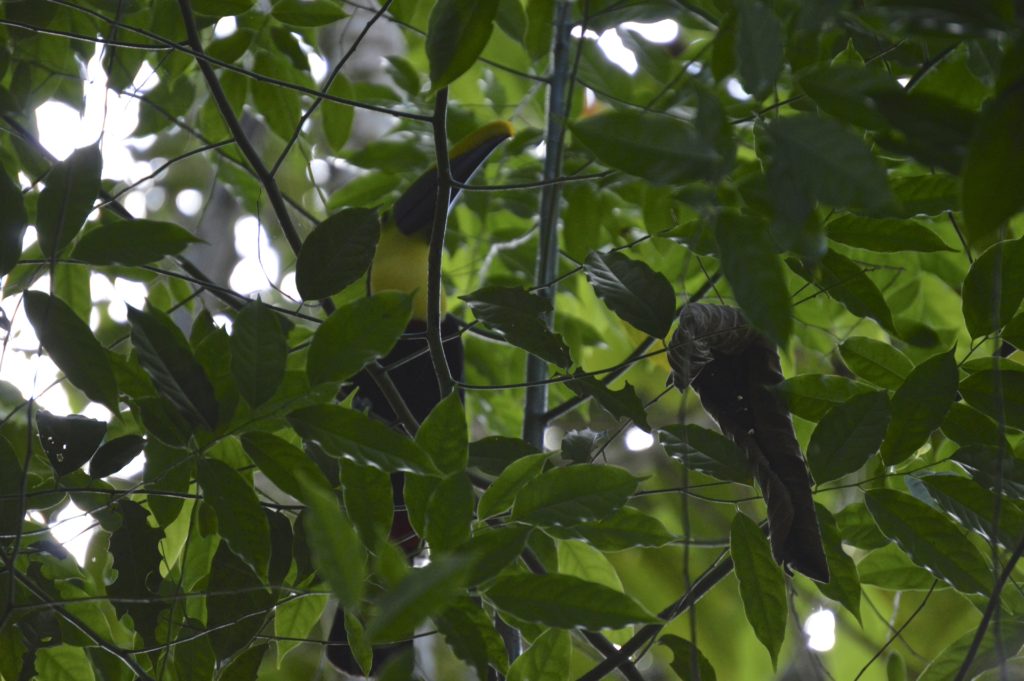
(414, 210)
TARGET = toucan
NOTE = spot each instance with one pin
(400, 264)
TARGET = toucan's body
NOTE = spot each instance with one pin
(400, 264)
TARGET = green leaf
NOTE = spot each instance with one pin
(876, 362)
(830, 163)
(72, 347)
(63, 663)
(456, 35)
(1010, 636)
(423, 593)
(71, 188)
(622, 404)
(931, 540)
(13, 222)
(811, 396)
(1000, 394)
(999, 471)
(337, 118)
(966, 425)
(295, 618)
(973, 506)
(845, 280)
(165, 355)
(844, 91)
(753, 270)
(762, 585)
(518, 315)
(369, 500)
(995, 280)
(566, 496)
(280, 107)
(132, 242)
(759, 47)
(115, 454)
(565, 602)
(69, 441)
(658, 148)
(346, 433)
(234, 622)
(282, 462)
(501, 493)
(706, 451)
(919, 407)
(627, 528)
(470, 633)
(548, 658)
(847, 436)
(843, 581)
(222, 8)
(356, 334)
(884, 234)
(494, 453)
(891, 568)
(633, 291)
(449, 513)
(337, 553)
(858, 528)
(337, 252)
(540, 18)
(307, 13)
(683, 654)
(240, 517)
(578, 559)
(444, 436)
(995, 159)
(259, 352)
(492, 549)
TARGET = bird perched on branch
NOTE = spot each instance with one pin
(400, 264)
(734, 368)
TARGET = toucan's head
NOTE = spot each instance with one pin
(414, 211)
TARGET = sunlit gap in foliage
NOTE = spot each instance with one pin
(611, 44)
(820, 629)
(637, 439)
(72, 528)
(259, 263)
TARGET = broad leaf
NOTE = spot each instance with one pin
(566, 496)
(240, 517)
(759, 47)
(884, 234)
(623, 403)
(337, 253)
(456, 35)
(115, 454)
(1000, 394)
(73, 348)
(443, 435)
(548, 658)
(876, 362)
(423, 593)
(470, 633)
(259, 352)
(811, 396)
(762, 586)
(69, 441)
(518, 314)
(501, 493)
(635, 292)
(683, 662)
(994, 288)
(282, 462)
(369, 500)
(931, 540)
(844, 582)
(627, 528)
(890, 568)
(13, 222)
(707, 451)
(973, 506)
(919, 406)
(295, 619)
(491, 550)
(338, 554)
(449, 513)
(222, 8)
(565, 602)
(844, 280)
(132, 242)
(307, 13)
(63, 662)
(847, 436)
(71, 189)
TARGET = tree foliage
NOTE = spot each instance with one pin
(846, 173)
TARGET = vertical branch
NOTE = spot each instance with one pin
(436, 253)
(534, 419)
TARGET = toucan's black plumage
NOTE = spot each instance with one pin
(400, 264)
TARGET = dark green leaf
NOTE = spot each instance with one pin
(566, 496)
(994, 288)
(356, 334)
(132, 242)
(502, 492)
(222, 8)
(449, 513)
(683, 654)
(948, 663)
(999, 471)
(234, 622)
(995, 160)
(539, 21)
(759, 47)
(931, 540)
(967, 426)
(258, 352)
(1000, 394)
(926, 194)
(369, 500)
(115, 455)
(338, 554)
(494, 453)
(633, 291)
(73, 348)
(472, 637)
(844, 91)
(280, 107)
(843, 583)
(337, 119)
(845, 280)
(281, 462)
(811, 396)
(548, 658)
(71, 188)
(69, 441)
(706, 451)
(337, 252)
(346, 433)
(13, 222)
(622, 404)
(973, 506)
(518, 314)
(245, 666)
(307, 13)
(240, 517)
(653, 146)
(491, 550)
(565, 602)
(858, 528)
(919, 407)
(444, 437)
(890, 568)
(884, 234)
(753, 270)
(11, 509)
(762, 585)
(135, 548)
(456, 35)
(875, 361)
(423, 593)
(847, 436)
(625, 529)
